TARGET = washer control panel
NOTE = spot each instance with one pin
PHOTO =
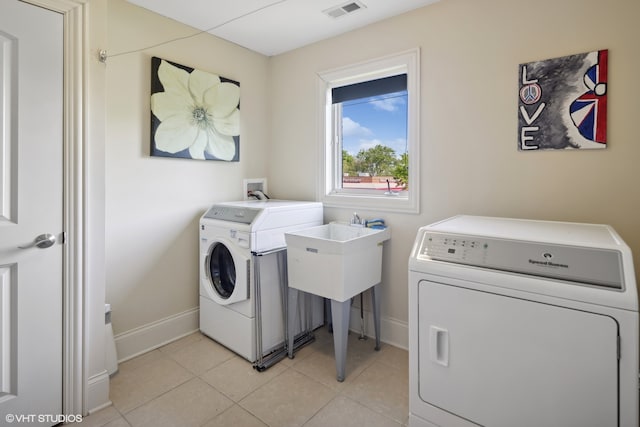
(242, 215)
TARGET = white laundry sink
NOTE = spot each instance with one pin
(336, 261)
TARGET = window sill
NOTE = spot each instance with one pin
(402, 204)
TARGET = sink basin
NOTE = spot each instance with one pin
(336, 261)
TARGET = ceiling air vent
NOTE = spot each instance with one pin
(338, 11)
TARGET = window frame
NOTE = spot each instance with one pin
(329, 186)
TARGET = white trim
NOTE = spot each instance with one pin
(156, 334)
(404, 62)
(392, 331)
(74, 376)
(98, 392)
(74, 381)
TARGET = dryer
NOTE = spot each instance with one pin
(522, 323)
(242, 248)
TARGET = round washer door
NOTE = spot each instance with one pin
(227, 277)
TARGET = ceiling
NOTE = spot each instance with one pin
(272, 27)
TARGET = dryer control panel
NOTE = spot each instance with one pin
(587, 265)
(454, 249)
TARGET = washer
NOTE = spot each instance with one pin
(236, 238)
(522, 323)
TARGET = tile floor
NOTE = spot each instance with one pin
(196, 382)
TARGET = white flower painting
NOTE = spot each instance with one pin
(195, 114)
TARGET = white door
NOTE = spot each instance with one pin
(31, 203)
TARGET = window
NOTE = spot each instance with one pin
(369, 140)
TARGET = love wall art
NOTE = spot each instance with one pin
(562, 103)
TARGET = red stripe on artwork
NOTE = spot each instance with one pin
(601, 117)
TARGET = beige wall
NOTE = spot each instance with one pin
(470, 52)
(153, 204)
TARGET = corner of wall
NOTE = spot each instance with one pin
(392, 331)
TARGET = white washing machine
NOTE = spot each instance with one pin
(522, 323)
(242, 250)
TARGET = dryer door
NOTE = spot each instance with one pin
(227, 273)
(501, 361)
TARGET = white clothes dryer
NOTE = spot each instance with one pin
(233, 236)
(522, 323)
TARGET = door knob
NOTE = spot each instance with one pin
(43, 241)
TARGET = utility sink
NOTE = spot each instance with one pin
(336, 261)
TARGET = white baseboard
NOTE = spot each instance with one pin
(392, 331)
(156, 334)
(98, 392)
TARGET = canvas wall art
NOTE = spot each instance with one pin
(194, 114)
(562, 102)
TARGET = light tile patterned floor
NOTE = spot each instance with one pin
(196, 382)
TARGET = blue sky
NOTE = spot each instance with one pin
(382, 120)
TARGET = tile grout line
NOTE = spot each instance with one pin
(157, 397)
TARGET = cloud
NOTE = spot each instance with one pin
(387, 104)
(398, 144)
(353, 128)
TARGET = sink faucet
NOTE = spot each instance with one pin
(355, 219)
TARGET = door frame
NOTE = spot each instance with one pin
(74, 357)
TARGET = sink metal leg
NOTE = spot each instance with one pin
(340, 317)
(327, 315)
(291, 320)
(376, 296)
